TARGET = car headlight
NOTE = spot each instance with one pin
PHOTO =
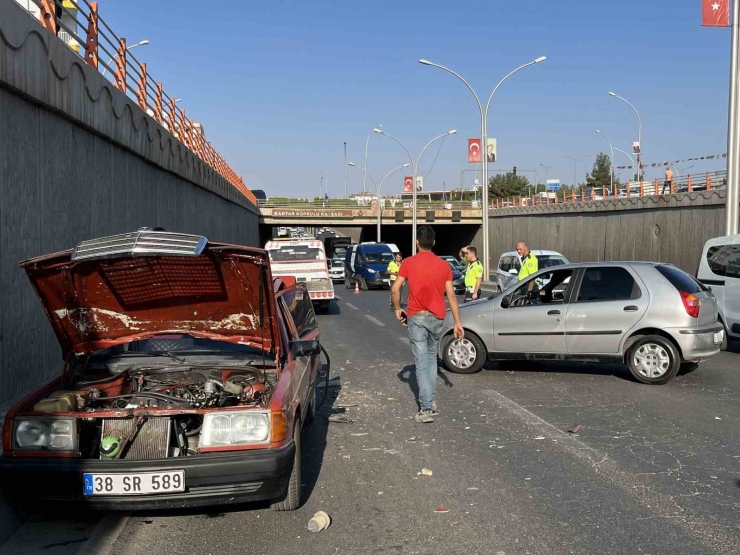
(45, 434)
(235, 428)
(370, 270)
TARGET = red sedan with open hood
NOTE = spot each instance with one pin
(187, 375)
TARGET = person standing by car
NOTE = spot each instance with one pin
(530, 264)
(668, 180)
(473, 276)
(393, 268)
(429, 279)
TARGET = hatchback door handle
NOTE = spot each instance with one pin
(630, 308)
(553, 313)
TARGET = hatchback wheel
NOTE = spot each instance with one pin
(466, 355)
(653, 360)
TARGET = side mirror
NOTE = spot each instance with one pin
(305, 348)
(513, 272)
(505, 302)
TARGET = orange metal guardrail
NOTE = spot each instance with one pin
(685, 184)
(130, 76)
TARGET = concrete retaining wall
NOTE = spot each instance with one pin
(78, 159)
(666, 228)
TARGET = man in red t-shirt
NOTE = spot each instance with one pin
(429, 279)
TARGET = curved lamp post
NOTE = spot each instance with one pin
(611, 161)
(416, 170)
(484, 139)
(140, 43)
(639, 132)
(378, 187)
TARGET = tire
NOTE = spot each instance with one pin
(363, 284)
(725, 340)
(291, 500)
(653, 360)
(324, 306)
(466, 355)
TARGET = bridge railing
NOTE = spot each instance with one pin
(350, 203)
(130, 76)
(683, 184)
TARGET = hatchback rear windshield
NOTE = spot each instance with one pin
(548, 261)
(680, 279)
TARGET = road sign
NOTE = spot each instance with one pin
(553, 184)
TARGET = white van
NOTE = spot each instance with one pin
(719, 268)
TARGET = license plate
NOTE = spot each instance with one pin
(141, 483)
(718, 337)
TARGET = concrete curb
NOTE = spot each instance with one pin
(104, 536)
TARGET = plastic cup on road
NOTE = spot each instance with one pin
(319, 522)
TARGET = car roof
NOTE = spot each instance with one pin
(621, 263)
(536, 252)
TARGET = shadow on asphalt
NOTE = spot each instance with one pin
(408, 376)
(615, 370)
(333, 310)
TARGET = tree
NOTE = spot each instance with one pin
(507, 185)
(600, 173)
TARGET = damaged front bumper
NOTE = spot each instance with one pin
(210, 479)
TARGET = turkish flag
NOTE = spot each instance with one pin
(408, 184)
(473, 151)
(715, 13)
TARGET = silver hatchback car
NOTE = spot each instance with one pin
(652, 317)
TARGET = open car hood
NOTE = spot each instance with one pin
(216, 291)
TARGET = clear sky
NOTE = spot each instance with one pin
(280, 86)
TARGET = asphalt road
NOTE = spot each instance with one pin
(651, 470)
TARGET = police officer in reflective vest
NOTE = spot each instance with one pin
(393, 268)
(530, 265)
(473, 275)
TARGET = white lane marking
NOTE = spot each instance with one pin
(351, 306)
(405, 340)
(374, 320)
(638, 486)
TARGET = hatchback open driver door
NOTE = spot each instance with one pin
(608, 303)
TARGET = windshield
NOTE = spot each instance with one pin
(548, 261)
(335, 263)
(294, 253)
(379, 257)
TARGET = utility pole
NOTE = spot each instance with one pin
(733, 129)
(345, 169)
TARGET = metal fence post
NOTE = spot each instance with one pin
(141, 93)
(691, 189)
(158, 104)
(120, 72)
(49, 16)
(709, 182)
(91, 43)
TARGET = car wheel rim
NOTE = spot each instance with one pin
(652, 360)
(462, 353)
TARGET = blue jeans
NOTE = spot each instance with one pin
(424, 332)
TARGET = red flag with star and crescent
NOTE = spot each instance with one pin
(715, 13)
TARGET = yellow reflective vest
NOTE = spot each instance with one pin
(393, 269)
(530, 265)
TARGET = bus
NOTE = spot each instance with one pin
(305, 260)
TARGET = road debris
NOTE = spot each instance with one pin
(425, 472)
(539, 437)
(391, 451)
(441, 510)
(574, 429)
(320, 521)
(472, 489)
(340, 419)
(717, 418)
(373, 449)
(360, 434)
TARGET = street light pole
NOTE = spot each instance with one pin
(415, 172)
(378, 188)
(484, 140)
(733, 128)
(575, 166)
(639, 131)
(611, 161)
(367, 142)
(627, 154)
(140, 43)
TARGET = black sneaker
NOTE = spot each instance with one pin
(424, 416)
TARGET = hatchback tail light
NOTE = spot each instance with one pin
(691, 303)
